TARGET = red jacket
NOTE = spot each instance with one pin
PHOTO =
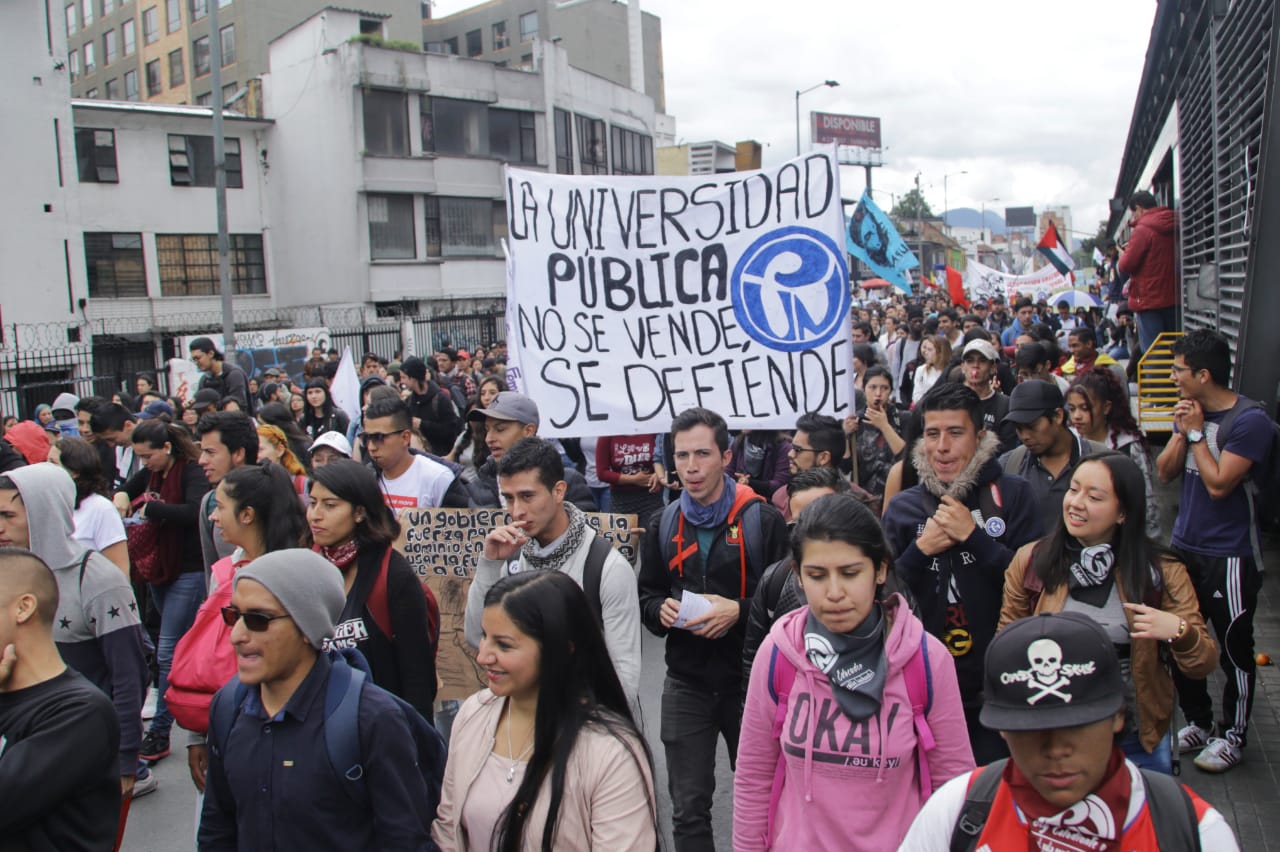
(1149, 261)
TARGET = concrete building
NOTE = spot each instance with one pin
(159, 50)
(708, 158)
(594, 33)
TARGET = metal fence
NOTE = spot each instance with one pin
(458, 331)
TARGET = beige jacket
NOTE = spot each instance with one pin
(608, 801)
(1196, 654)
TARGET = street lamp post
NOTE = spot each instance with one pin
(946, 219)
(828, 83)
(984, 218)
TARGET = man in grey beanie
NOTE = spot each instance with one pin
(270, 782)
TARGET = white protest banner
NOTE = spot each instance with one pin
(633, 298)
(259, 350)
(985, 283)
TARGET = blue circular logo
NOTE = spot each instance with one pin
(995, 527)
(790, 289)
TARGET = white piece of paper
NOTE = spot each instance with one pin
(692, 606)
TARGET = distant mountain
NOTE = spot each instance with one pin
(967, 217)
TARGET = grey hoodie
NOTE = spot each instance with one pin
(97, 629)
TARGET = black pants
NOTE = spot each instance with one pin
(693, 719)
(1227, 589)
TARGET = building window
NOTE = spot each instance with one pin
(564, 142)
(91, 94)
(191, 160)
(475, 46)
(111, 90)
(189, 264)
(512, 136)
(71, 19)
(228, 45)
(464, 227)
(131, 85)
(108, 6)
(473, 129)
(177, 70)
(500, 40)
(151, 25)
(205, 99)
(229, 92)
(173, 14)
(129, 37)
(199, 9)
(155, 83)
(437, 47)
(392, 235)
(73, 61)
(86, 12)
(110, 48)
(200, 56)
(115, 266)
(96, 155)
(90, 64)
(632, 152)
(386, 123)
(528, 26)
(593, 150)
(451, 46)
(222, 4)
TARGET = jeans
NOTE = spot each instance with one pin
(1159, 760)
(601, 496)
(1151, 323)
(177, 603)
(693, 718)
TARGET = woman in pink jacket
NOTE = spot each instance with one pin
(853, 714)
(548, 757)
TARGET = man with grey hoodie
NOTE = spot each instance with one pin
(96, 628)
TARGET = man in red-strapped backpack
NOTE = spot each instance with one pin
(1055, 692)
(954, 535)
(706, 550)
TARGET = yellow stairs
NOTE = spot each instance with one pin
(1157, 394)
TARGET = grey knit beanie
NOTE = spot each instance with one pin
(308, 586)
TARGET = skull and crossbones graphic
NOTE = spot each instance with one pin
(1045, 657)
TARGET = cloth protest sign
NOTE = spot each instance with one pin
(985, 283)
(259, 350)
(872, 238)
(631, 299)
(444, 545)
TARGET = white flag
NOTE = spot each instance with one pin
(346, 386)
(1098, 259)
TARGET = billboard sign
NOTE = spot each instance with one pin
(855, 131)
(1020, 217)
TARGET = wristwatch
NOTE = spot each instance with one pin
(1195, 436)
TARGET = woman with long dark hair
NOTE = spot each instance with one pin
(854, 661)
(97, 523)
(170, 472)
(321, 415)
(548, 757)
(1098, 560)
(389, 616)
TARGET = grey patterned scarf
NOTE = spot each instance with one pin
(554, 555)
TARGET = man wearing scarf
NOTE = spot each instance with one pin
(1055, 693)
(548, 533)
(708, 554)
(954, 535)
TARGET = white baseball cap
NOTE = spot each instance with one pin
(335, 441)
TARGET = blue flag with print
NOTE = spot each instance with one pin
(872, 238)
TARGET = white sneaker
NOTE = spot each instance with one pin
(1193, 738)
(149, 706)
(1218, 756)
(145, 784)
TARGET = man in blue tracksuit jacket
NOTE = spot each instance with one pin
(954, 535)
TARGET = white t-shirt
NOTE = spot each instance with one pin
(422, 486)
(97, 523)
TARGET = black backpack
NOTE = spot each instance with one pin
(1172, 812)
(592, 571)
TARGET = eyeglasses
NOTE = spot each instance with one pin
(379, 437)
(797, 449)
(257, 622)
(1179, 370)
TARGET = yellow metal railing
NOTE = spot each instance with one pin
(1157, 394)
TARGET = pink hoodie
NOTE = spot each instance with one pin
(847, 786)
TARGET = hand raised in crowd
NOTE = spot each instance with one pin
(504, 542)
(655, 483)
(723, 615)
(934, 539)
(955, 519)
(1152, 623)
(1188, 414)
(743, 478)
(878, 418)
(850, 424)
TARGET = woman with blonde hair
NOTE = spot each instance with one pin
(274, 446)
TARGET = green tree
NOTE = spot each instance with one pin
(1099, 240)
(913, 206)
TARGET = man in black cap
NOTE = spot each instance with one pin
(1056, 693)
(434, 414)
(1049, 448)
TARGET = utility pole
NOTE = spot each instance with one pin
(220, 183)
(920, 228)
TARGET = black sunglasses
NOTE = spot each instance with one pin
(379, 437)
(257, 622)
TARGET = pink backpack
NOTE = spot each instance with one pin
(782, 675)
(203, 660)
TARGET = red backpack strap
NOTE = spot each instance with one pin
(743, 496)
(377, 600)
(782, 674)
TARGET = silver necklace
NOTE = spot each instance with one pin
(511, 756)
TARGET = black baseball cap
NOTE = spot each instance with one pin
(1031, 399)
(1052, 670)
(414, 367)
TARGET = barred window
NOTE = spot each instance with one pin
(115, 266)
(473, 129)
(189, 264)
(464, 227)
(564, 142)
(392, 235)
(593, 147)
(632, 152)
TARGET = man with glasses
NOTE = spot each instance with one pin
(271, 781)
(408, 480)
(819, 441)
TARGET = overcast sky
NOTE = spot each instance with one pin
(1033, 100)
